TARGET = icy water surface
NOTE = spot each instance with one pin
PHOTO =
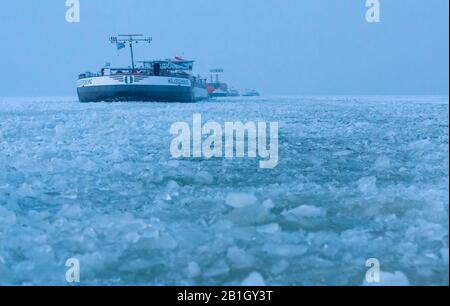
(358, 178)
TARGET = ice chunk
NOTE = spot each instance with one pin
(204, 178)
(355, 237)
(367, 184)
(60, 131)
(132, 237)
(239, 200)
(26, 191)
(382, 163)
(163, 242)
(390, 279)
(255, 279)
(268, 204)
(193, 270)
(218, 269)
(248, 215)
(280, 267)
(239, 258)
(115, 156)
(269, 228)
(420, 144)
(306, 211)
(172, 185)
(70, 211)
(285, 250)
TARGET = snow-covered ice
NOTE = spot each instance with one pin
(358, 178)
(238, 200)
(305, 211)
(390, 279)
(254, 279)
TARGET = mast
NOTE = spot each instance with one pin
(130, 39)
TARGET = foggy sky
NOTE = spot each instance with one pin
(280, 47)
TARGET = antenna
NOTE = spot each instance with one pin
(131, 39)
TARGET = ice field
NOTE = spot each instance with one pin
(358, 178)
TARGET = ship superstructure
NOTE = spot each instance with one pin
(217, 88)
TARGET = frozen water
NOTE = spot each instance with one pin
(193, 270)
(219, 269)
(390, 279)
(358, 178)
(269, 228)
(6, 217)
(239, 258)
(239, 200)
(204, 178)
(306, 211)
(254, 279)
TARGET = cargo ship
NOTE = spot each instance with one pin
(168, 80)
(217, 88)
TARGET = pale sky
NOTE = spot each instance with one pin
(280, 47)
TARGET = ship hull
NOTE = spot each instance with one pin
(219, 95)
(139, 89)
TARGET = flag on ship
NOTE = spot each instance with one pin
(120, 45)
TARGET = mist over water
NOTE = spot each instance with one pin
(358, 178)
(282, 47)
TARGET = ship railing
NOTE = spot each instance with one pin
(149, 72)
(87, 75)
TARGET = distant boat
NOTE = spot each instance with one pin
(217, 88)
(152, 81)
(251, 93)
(234, 93)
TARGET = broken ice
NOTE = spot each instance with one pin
(358, 178)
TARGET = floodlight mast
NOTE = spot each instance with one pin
(131, 39)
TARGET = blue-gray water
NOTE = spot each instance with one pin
(358, 178)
